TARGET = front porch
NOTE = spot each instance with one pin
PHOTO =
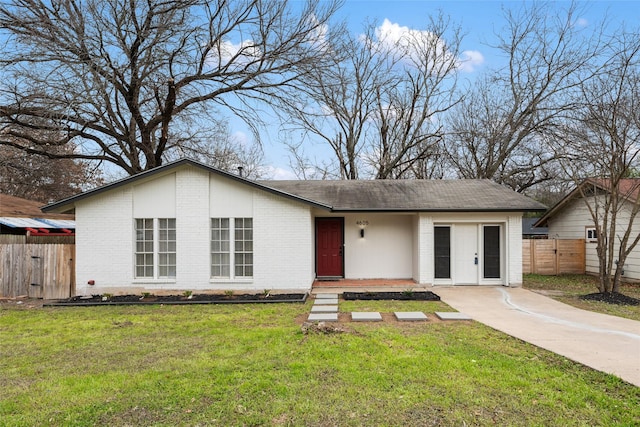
(375, 285)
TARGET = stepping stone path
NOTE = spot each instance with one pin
(452, 315)
(366, 316)
(318, 308)
(325, 309)
(410, 316)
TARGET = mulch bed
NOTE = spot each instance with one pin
(177, 299)
(381, 296)
(611, 298)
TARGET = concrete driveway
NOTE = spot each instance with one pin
(606, 343)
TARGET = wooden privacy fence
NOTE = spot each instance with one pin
(38, 271)
(552, 257)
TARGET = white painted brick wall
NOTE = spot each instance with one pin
(424, 246)
(283, 247)
(193, 227)
(104, 242)
(514, 250)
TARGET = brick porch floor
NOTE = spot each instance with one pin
(341, 285)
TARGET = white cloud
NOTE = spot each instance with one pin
(239, 54)
(469, 60)
(318, 37)
(582, 22)
(406, 42)
(241, 138)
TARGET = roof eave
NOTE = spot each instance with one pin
(542, 222)
(409, 210)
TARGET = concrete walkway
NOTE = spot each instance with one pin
(607, 343)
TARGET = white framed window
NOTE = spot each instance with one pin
(231, 258)
(220, 247)
(155, 248)
(167, 247)
(243, 254)
(591, 234)
(144, 247)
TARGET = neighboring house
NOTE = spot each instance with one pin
(531, 232)
(187, 226)
(570, 219)
(20, 216)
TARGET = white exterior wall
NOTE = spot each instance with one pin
(511, 245)
(513, 250)
(282, 235)
(571, 223)
(283, 244)
(193, 225)
(385, 251)
(104, 242)
(423, 249)
(395, 246)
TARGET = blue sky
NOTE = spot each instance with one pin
(479, 20)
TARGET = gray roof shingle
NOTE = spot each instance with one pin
(410, 195)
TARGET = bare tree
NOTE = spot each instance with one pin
(122, 80)
(378, 107)
(39, 178)
(602, 150)
(503, 129)
(410, 108)
(224, 151)
(339, 102)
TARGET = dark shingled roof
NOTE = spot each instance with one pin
(410, 195)
(341, 196)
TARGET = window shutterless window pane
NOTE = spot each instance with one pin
(220, 247)
(243, 253)
(492, 252)
(167, 247)
(144, 247)
(442, 252)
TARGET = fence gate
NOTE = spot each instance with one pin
(551, 256)
(37, 270)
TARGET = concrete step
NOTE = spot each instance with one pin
(326, 296)
(324, 309)
(326, 301)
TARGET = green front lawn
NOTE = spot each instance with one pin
(568, 288)
(252, 365)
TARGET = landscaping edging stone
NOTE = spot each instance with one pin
(381, 296)
(96, 300)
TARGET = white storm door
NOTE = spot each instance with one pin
(465, 254)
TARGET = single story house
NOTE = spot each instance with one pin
(188, 226)
(24, 217)
(570, 219)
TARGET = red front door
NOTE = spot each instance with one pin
(329, 235)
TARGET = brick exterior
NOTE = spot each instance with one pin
(283, 241)
(514, 250)
(283, 237)
(104, 242)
